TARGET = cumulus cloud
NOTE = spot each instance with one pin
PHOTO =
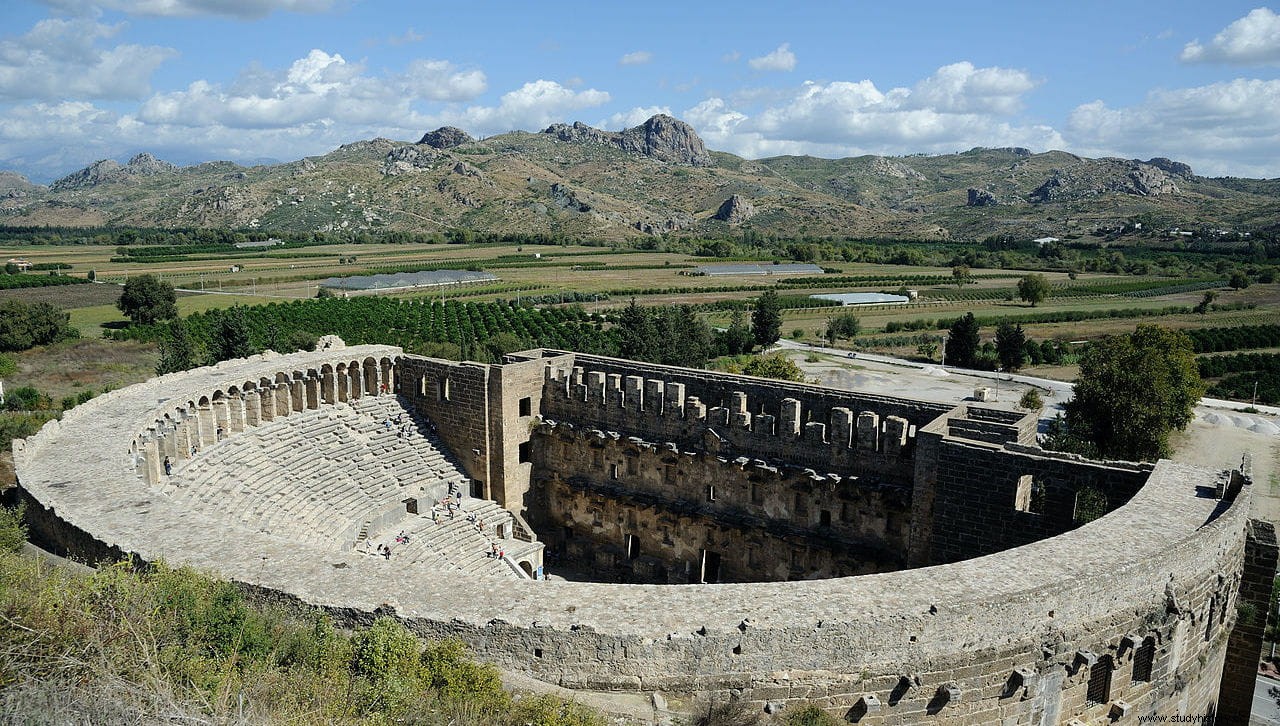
(61, 59)
(957, 107)
(781, 59)
(317, 89)
(534, 105)
(635, 58)
(1231, 127)
(242, 9)
(1253, 39)
(633, 117)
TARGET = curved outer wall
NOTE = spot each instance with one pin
(1012, 637)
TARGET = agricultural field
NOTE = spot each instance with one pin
(601, 280)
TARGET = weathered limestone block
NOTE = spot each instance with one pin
(634, 390)
(841, 427)
(653, 396)
(718, 416)
(673, 400)
(815, 432)
(695, 410)
(763, 424)
(595, 388)
(613, 390)
(868, 431)
(895, 434)
(789, 419)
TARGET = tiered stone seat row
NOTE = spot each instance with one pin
(319, 475)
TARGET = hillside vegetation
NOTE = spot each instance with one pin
(655, 179)
(173, 645)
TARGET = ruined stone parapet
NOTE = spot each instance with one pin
(982, 640)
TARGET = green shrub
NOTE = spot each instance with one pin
(809, 716)
(1031, 400)
(13, 530)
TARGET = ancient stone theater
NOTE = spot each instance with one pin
(700, 538)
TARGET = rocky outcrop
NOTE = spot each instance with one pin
(981, 198)
(145, 164)
(566, 198)
(409, 159)
(16, 186)
(446, 137)
(735, 210)
(894, 169)
(661, 137)
(1171, 167)
(90, 176)
(663, 226)
(1102, 176)
(666, 139)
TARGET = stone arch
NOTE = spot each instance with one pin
(527, 567)
(207, 427)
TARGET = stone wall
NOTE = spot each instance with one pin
(515, 403)
(645, 512)
(455, 397)
(1146, 594)
(989, 497)
(1253, 613)
(805, 426)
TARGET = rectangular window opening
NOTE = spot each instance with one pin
(1100, 681)
(1143, 660)
(442, 389)
(613, 471)
(526, 452)
(526, 406)
(824, 518)
(711, 492)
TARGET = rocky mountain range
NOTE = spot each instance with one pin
(655, 178)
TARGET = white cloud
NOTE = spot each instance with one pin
(534, 105)
(317, 89)
(781, 59)
(61, 59)
(956, 108)
(1253, 39)
(1231, 127)
(635, 58)
(633, 117)
(731, 57)
(242, 9)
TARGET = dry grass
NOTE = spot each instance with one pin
(68, 368)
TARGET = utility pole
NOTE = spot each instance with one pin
(1254, 402)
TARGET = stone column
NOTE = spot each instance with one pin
(387, 369)
(313, 392)
(235, 414)
(342, 385)
(328, 387)
(252, 408)
(267, 404)
(297, 396)
(208, 427)
(895, 435)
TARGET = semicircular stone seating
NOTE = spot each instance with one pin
(354, 474)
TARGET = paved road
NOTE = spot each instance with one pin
(1265, 710)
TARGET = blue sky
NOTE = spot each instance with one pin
(250, 80)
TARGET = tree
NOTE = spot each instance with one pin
(843, 326)
(1239, 280)
(24, 326)
(1133, 391)
(1033, 288)
(766, 321)
(231, 336)
(1206, 301)
(637, 336)
(1011, 346)
(737, 338)
(927, 350)
(177, 350)
(1031, 400)
(776, 366)
(960, 273)
(962, 342)
(147, 300)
